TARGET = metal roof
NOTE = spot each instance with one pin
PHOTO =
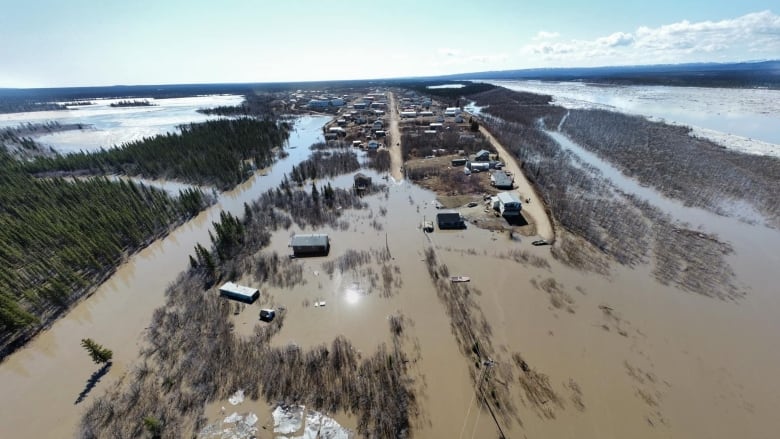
(508, 197)
(312, 240)
(239, 290)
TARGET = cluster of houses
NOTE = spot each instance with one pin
(363, 119)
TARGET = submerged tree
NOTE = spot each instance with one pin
(99, 354)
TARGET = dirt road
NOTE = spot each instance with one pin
(534, 209)
(396, 160)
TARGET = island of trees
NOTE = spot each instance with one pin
(221, 152)
(133, 103)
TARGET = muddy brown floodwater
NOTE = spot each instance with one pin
(646, 360)
(625, 355)
(41, 382)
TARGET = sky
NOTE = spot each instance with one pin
(56, 43)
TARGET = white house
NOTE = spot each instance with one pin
(238, 292)
(508, 204)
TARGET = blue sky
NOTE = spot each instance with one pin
(74, 43)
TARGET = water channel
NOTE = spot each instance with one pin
(42, 381)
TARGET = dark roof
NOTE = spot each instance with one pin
(312, 240)
(448, 216)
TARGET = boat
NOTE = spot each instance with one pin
(460, 278)
(540, 242)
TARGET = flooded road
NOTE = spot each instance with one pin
(42, 381)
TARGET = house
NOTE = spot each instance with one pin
(452, 111)
(310, 245)
(408, 113)
(373, 145)
(502, 180)
(450, 220)
(378, 125)
(362, 181)
(435, 125)
(337, 102)
(482, 155)
(426, 113)
(238, 292)
(508, 204)
(459, 119)
(359, 105)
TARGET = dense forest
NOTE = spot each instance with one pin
(220, 152)
(60, 237)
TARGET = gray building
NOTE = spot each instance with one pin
(482, 155)
(502, 180)
(450, 220)
(310, 245)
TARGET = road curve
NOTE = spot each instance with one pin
(535, 208)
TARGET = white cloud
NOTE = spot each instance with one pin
(544, 35)
(444, 51)
(755, 33)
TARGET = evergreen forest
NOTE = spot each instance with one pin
(221, 152)
(61, 237)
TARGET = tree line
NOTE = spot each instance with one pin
(221, 152)
(60, 237)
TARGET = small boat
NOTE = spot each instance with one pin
(319, 303)
(460, 278)
(540, 242)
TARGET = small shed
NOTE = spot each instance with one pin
(239, 292)
(459, 162)
(502, 180)
(362, 181)
(317, 244)
(450, 220)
